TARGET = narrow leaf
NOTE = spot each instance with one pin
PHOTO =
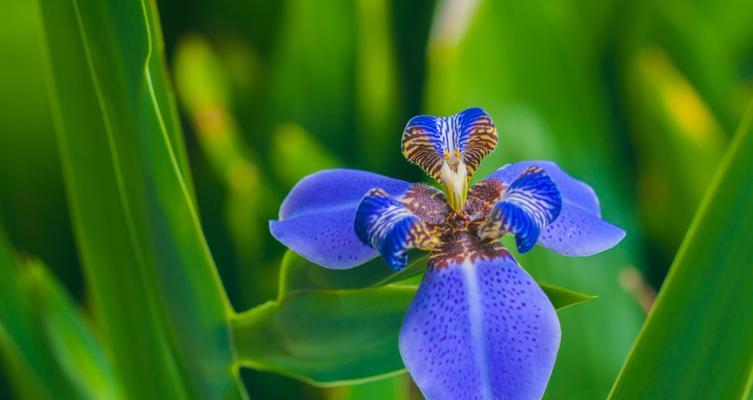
(153, 284)
(563, 298)
(45, 340)
(696, 342)
(68, 335)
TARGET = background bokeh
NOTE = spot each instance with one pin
(638, 98)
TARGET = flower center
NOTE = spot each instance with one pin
(458, 232)
(454, 178)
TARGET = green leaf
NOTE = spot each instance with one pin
(298, 273)
(325, 337)
(334, 337)
(153, 284)
(25, 380)
(563, 298)
(45, 339)
(68, 334)
(28, 363)
(696, 342)
(393, 388)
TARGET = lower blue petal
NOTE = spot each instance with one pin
(317, 216)
(480, 330)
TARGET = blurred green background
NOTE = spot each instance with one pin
(637, 98)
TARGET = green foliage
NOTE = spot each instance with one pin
(336, 327)
(153, 284)
(325, 337)
(45, 340)
(297, 273)
(696, 340)
(638, 99)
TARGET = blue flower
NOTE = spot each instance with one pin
(479, 326)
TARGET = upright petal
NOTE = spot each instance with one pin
(480, 329)
(388, 226)
(450, 149)
(579, 229)
(317, 216)
(528, 206)
(429, 140)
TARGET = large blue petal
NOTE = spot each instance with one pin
(579, 229)
(480, 330)
(317, 216)
(388, 226)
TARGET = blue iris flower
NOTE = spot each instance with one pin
(479, 326)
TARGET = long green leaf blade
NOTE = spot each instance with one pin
(27, 363)
(696, 343)
(45, 340)
(152, 280)
(67, 334)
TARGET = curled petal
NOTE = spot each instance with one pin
(528, 205)
(467, 136)
(579, 229)
(480, 330)
(572, 190)
(388, 226)
(317, 217)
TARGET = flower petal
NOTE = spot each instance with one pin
(388, 226)
(528, 205)
(317, 216)
(572, 190)
(579, 229)
(578, 233)
(428, 141)
(480, 330)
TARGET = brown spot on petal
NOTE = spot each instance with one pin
(482, 197)
(427, 203)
